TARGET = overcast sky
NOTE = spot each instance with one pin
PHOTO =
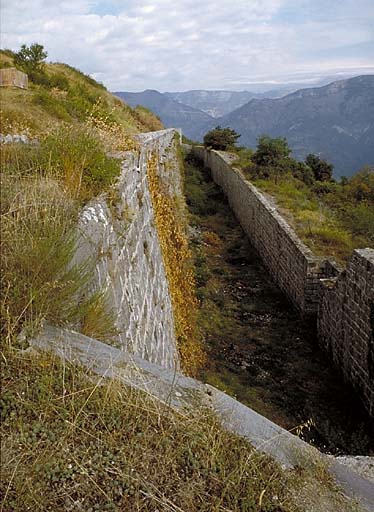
(174, 45)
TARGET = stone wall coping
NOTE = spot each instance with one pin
(367, 253)
(146, 138)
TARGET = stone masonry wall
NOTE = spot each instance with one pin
(346, 323)
(119, 233)
(293, 266)
(342, 301)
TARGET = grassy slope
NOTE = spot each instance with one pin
(39, 109)
(71, 443)
(331, 218)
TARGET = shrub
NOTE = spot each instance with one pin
(324, 188)
(79, 101)
(40, 281)
(37, 244)
(60, 81)
(39, 78)
(77, 157)
(360, 220)
(270, 151)
(52, 105)
(321, 169)
(298, 170)
(220, 138)
(31, 58)
(360, 187)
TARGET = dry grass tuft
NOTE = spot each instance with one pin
(72, 443)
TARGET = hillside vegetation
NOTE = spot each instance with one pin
(64, 95)
(331, 217)
(77, 123)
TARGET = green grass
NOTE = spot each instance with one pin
(321, 226)
(331, 218)
(78, 157)
(72, 443)
(42, 189)
(64, 95)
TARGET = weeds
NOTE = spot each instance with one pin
(178, 263)
(39, 281)
(97, 320)
(331, 218)
(42, 188)
(71, 444)
(78, 158)
(318, 225)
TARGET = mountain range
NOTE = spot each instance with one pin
(335, 121)
(172, 113)
(214, 103)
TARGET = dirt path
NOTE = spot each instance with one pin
(259, 349)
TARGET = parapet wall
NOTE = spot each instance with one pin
(293, 266)
(342, 301)
(346, 323)
(119, 232)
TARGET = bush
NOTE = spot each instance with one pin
(323, 188)
(360, 187)
(60, 81)
(79, 101)
(270, 151)
(31, 58)
(52, 105)
(360, 220)
(77, 157)
(298, 170)
(321, 169)
(39, 78)
(37, 247)
(220, 138)
(40, 281)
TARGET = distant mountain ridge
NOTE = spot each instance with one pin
(335, 121)
(214, 103)
(172, 113)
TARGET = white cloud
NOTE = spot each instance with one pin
(169, 45)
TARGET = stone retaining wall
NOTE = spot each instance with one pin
(342, 301)
(346, 323)
(119, 232)
(292, 265)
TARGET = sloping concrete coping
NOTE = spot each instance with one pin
(179, 392)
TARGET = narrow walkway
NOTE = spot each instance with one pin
(259, 350)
